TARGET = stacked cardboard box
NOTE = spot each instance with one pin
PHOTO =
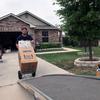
(27, 57)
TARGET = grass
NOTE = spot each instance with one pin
(96, 51)
(66, 60)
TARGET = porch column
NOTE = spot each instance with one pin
(60, 38)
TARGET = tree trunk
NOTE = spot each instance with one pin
(90, 50)
(85, 49)
(85, 46)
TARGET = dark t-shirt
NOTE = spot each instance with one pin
(21, 37)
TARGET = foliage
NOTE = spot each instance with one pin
(67, 41)
(49, 45)
(81, 19)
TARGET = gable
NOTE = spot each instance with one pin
(12, 17)
(11, 23)
(32, 20)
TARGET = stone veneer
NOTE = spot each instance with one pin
(78, 62)
(11, 24)
(53, 36)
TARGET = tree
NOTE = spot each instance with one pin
(81, 19)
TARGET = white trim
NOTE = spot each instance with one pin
(36, 18)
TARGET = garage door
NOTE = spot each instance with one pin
(8, 40)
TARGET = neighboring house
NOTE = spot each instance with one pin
(39, 29)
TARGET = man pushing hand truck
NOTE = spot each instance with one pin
(26, 54)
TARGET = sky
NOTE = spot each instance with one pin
(41, 8)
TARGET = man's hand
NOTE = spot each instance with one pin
(33, 42)
(17, 46)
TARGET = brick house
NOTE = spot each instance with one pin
(39, 29)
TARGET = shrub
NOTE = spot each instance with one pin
(50, 45)
(68, 41)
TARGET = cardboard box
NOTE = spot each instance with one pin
(27, 57)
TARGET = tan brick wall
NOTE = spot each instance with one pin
(53, 36)
(38, 36)
(11, 24)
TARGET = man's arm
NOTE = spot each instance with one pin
(31, 39)
(18, 38)
(32, 42)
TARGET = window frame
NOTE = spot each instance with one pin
(45, 35)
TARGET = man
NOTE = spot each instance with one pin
(24, 36)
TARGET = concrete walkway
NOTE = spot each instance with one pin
(46, 68)
(70, 49)
(9, 89)
(10, 67)
(61, 51)
(15, 92)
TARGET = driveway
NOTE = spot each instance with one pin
(10, 66)
(9, 78)
(14, 92)
(9, 89)
(8, 69)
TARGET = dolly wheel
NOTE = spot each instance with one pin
(19, 75)
(33, 74)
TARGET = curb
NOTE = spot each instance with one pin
(37, 94)
(73, 75)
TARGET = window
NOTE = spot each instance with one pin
(45, 33)
(44, 36)
(45, 39)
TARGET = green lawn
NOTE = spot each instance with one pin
(66, 60)
(96, 51)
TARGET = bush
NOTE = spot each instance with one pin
(67, 41)
(50, 45)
